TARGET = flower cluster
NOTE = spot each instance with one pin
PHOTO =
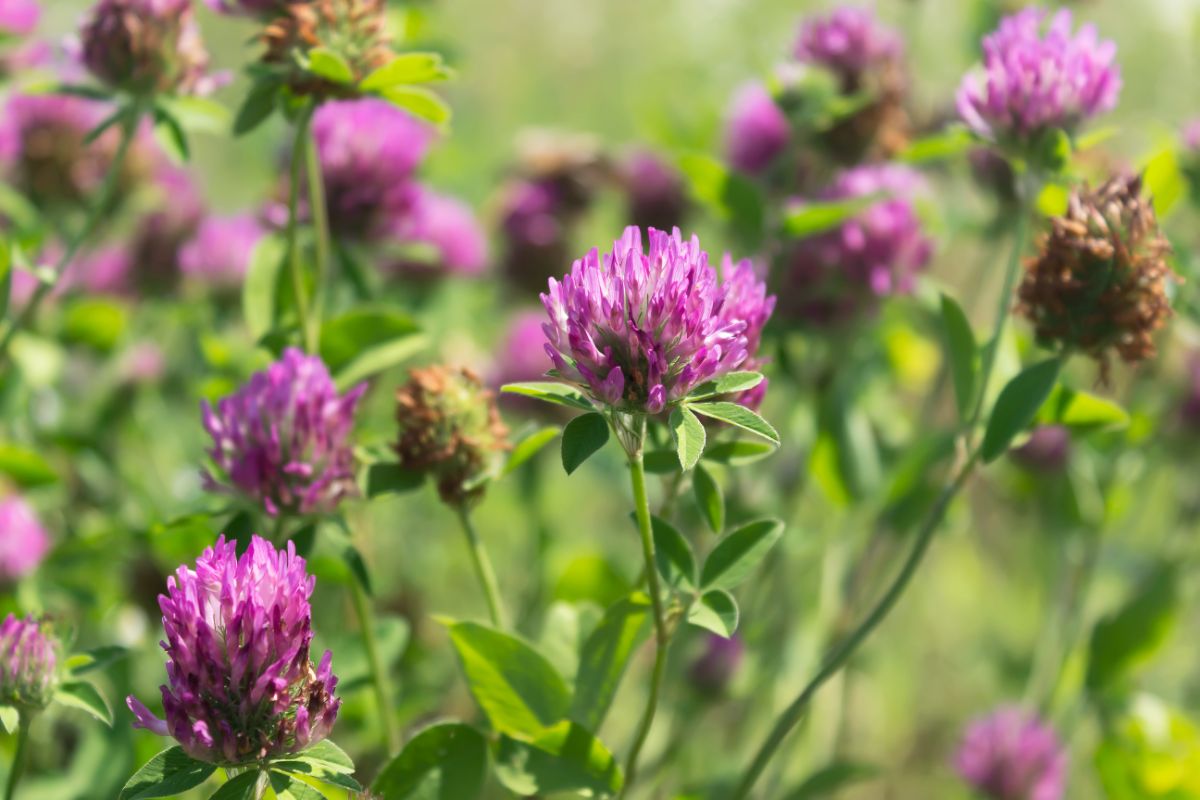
(447, 229)
(1011, 755)
(28, 663)
(219, 252)
(1037, 77)
(639, 329)
(840, 275)
(283, 439)
(449, 428)
(240, 683)
(356, 30)
(1099, 283)
(23, 540)
(146, 46)
(757, 131)
(848, 41)
(655, 192)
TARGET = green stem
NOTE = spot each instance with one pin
(379, 677)
(18, 762)
(483, 570)
(95, 216)
(320, 221)
(637, 473)
(295, 262)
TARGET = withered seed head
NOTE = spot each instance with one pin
(354, 29)
(1100, 282)
(449, 427)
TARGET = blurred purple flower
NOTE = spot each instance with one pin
(219, 254)
(23, 540)
(283, 439)
(847, 41)
(19, 17)
(1191, 136)
(1047, 451)
(716, 667)
(369, 150)
(655, 192)
(146, 46)
(640, 329)
(757, 130)
(449, 228)
(240, 683)
(1190, 408)
(28, 663)
(746, 298)
(144, 362)
(1037, 76)
(249, 8)
(522, 354)
(839, 275)
(1012, 755)
(161, 233)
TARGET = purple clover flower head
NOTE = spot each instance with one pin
(240, 683)
(1012, 755)
(28, 663)
(19, 17)
(1038, 76)
(748, 300)
(449, 228)
(639, 329)
(369, 150)
(146, 45)
(1047, 451)
(757, 130)
(23, 540)
(655, 192)
(847, 41)
(283, 439)
(712, 672)
(522, 354)
(1191, 136)
(219, 253)
(837, 276)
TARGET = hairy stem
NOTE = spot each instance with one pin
(320, 222)
(295, 263)
(483, 570)
(18, 762)
(379, 676)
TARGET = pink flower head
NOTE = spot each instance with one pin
(19, 17)
(283, 439)
(757, 132)
(450, 229)
(240, 683)
(847, 41)
(1012, 755)
(1037, 76)
(23, 540)
(219, 254)
(28, 663)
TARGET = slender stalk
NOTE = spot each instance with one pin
(295, 263)
(637, 474)
(18, 762)
(483, 570)
(95, 216)
(320, 222)
(792, 715)
(379, 677)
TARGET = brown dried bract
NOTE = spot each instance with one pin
(1100, 282)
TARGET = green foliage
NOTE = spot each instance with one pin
(445, 761)
(169, 773)
(583, 436)
(1017, 405)
(689, 436)
(1130, 636)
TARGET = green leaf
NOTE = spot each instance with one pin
(354, 668)
(1129, 637)
(170, 135)
(407, 68)
(1081, 411)
(582, 437)
(98, 322)
(24, 467)
(732, 197)
(738, 554)
(738, 452)
(262, 281)
(738, 416)
(529, 446)
(963, 355)
(10, 718)
(330, 65)
(688, 434)
(709, 498)
(1164, 181)
(97, 658)
(515, 685)
(197, 113)
(287, 787)
(673, 555)
(257, 107)
(557, 393)
(715, 611)
(605, 655)
(6, 268)
(566, 758)
(392, 479)
(367, 341)
(324, 762)
(421, 103)
(661, 462)
(730, 383)
(242, 787)
(86, 697)
(1017, 406)
(830, 780)
(811, 218)
(446, 761)
(169, 773)
(942, 146)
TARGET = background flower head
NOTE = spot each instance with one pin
(757, 131)
(219, 253)
(28, 663)
(1012, 755)
(145, 46)
(23, 540)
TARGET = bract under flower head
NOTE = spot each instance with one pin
(355, 30)
(283, 439)
(28, 663)
(1038, 76)
(240, 684)
(639, 329)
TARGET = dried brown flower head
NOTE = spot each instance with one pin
(449, 427)
(1100, 282)
(356, 30)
